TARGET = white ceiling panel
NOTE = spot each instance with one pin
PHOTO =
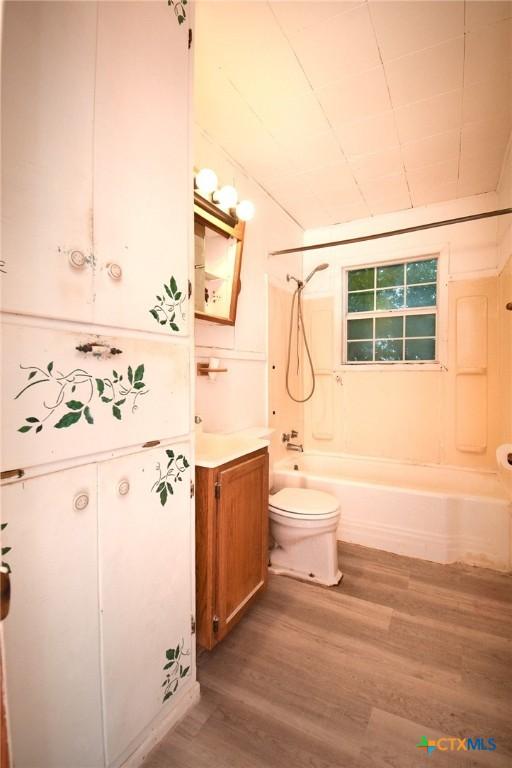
(338, 47)
(488, 52)
(483, 12)
(355, 97)
(431, 150)
(370, 135)
(429, 116)
(343, 110)
(426, 73)
(405, 27)
(382, 163)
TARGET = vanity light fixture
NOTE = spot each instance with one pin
(226, 198)
(206, 181)
(245, 210)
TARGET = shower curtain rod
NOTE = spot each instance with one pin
(392, 233)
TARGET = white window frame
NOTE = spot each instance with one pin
(441, 311)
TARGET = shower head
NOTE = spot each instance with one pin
(319, 268)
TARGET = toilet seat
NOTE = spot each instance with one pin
(304, 503)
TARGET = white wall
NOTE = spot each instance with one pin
(238, 398)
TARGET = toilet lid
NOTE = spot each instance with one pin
(304, 501)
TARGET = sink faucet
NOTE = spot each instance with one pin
(295, 447)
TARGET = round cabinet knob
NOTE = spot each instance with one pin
(123, 487)
(114, 271)
(77, 259)
(81, 501)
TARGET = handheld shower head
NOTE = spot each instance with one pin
(319, 268)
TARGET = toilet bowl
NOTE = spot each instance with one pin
(303, 525)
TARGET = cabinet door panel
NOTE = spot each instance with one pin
(52, 631)
(242, 538)
(145, 589)
(48, 68)
(57, 383)
(142, 172)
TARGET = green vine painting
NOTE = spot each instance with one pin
(172, 473)
(179, 9)
(74, 392)
(169, 303)
(175, 669)
(5, 550)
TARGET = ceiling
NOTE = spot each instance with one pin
(344, 110)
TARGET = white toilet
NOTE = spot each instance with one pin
(303, 525)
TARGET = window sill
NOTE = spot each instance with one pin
(390, 367)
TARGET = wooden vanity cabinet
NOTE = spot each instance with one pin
(231, 542)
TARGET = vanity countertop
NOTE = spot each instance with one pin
(214, 449)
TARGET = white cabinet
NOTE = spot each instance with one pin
(48, 74)
(68, 403)
(142, 169)
(52, 632)
(145, 590)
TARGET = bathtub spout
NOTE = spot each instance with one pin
(295, 447)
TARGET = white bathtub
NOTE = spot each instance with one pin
(444, 514)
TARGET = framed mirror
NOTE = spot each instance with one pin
(218, 245)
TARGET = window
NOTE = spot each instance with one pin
(391, 312)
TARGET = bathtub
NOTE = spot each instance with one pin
(443, 514)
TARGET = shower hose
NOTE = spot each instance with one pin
(300, 327)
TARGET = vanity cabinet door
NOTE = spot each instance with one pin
(48, 72)
(145, 539)
(242, 538)
(59, 402)
(142, 169)
(51, 634)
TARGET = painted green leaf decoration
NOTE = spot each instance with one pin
(32, 419)
(25, 428)
(168, 292)
(163, 496)
(130, 374)
(170, 453)
(167, 696)
(5, 550)
(31, 375)
(139, 385)
(139, 373)
(88, 415)
(68, 419)
(39, 428)
(174, 286)
(154, 313)
(50, 367)
(106, 399)
(174, 326)
(75, 405)
(3, 526)
(117, 412)
(170, 653)
(100, 384)
(169, 488)
(184, 671)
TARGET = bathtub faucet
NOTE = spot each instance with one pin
(295, 447)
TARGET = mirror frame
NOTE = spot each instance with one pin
(224, 224)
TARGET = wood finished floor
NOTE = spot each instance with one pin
(353, 676)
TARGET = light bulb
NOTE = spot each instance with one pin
(206, 181)
(227, 197)
(245, 210)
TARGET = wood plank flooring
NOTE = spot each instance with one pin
(354, 676)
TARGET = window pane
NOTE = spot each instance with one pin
(390, 298)
(360, 329)
(389, 350)
(361, 302)
(360, 279)
(422, 296)
(389, 327)
(420, 349)
(420, 325)
(422, 271)
(392, 275)
(359, 351)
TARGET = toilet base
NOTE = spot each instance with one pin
(305, 576)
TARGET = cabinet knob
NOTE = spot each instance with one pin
(80, 502)
(123, 487)
(114, 271)
(77, 259)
